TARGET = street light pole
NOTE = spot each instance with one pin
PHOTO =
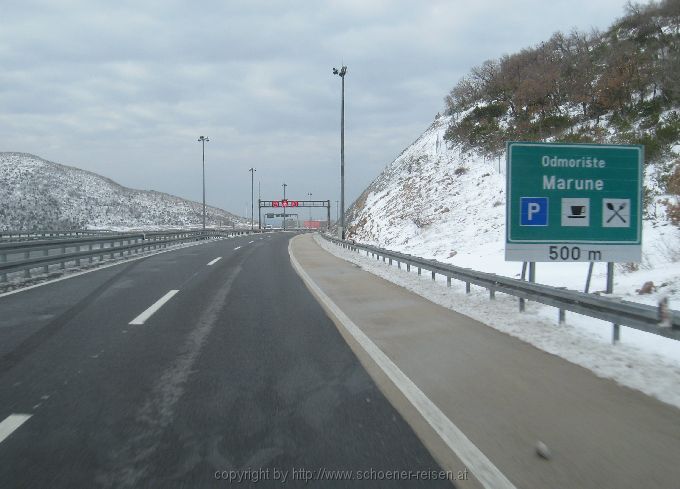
(337, 212)
(284, 206)
(203, 140)
(252, 198)
(341, 73)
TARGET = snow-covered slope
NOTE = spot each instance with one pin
(432, 199)
(39, 194)
(438, 202)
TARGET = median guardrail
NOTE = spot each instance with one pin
(19, 235)
(33, 254)
(657, 320)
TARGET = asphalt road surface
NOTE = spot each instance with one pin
(230, 369)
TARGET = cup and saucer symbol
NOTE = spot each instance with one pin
(576, 212)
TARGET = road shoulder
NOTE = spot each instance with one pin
(503, 394)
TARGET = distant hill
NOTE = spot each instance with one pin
(39, 194)
(620, 86)
(444, 196)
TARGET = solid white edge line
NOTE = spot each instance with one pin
(108, 265)
(214, 261)
(154, 307)
(11, 423)
(485, 471)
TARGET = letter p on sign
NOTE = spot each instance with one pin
(534, 211)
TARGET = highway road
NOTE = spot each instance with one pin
(188, 367)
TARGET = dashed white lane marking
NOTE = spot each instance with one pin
(155, 307)
(237, 248)
(250, 242)
(103, 267)
(11, 423)
(485, 471)
(214, 261)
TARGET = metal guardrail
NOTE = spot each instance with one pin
(21, 257)
(657, 320)
(19, 235)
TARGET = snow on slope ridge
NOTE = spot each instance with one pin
(39, 194)
(437, 202)
(431, 199)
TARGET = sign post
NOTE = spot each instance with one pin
(573, 202)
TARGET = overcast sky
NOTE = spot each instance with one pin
(124, 88)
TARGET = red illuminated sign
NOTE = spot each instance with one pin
(285, 203)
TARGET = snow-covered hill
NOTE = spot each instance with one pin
(40, 194)
(438, 202)
(432, 199)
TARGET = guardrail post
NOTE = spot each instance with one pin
(77, 259)
(448, 281)
(46, 267)
(561, 317)
(398, 264)
(419, 270)
(467, 287)
(390, 261)
(408, 267)
(91, 257)
(665, 320)
(492, 294)
(3, 259)
(433, 276)
(27, 273)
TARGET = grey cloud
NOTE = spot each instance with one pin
(124, 88)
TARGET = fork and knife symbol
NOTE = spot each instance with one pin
(615, 211)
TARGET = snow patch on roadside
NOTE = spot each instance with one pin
(651, 365)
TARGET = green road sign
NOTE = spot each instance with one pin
(573, 202)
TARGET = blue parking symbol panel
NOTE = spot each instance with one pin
(534, 211)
